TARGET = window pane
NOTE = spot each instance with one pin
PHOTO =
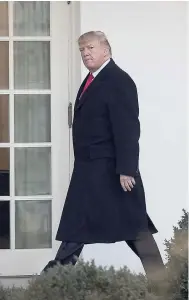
(4, 65)
(32, 171)
(4, 224)
(4, 171)
(4, 30)
(31, 18)
(33, 224)
(4, 118)
(32, 118)
(32, 65)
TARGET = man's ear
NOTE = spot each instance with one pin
(105, 51)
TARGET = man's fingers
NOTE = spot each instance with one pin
(127, 186)
(123, 185)
(127, 183)
(130, 183)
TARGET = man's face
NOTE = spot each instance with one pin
(93, 54)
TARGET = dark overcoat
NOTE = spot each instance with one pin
(106, 133)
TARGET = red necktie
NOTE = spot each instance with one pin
(88, 82)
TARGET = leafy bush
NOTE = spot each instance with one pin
(86, 281)
(12, 294)
(177, 260)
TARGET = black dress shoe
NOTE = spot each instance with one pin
(51, 264)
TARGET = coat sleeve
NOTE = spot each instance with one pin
(124, 117)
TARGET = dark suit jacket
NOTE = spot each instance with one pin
(106, 132)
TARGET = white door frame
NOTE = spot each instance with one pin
(65, 78)
(74, 61)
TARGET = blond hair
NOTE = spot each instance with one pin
(95, 35)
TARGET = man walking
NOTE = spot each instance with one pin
(105, 202)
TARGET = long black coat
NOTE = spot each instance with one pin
(106, 133)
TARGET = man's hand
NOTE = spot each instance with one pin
(127, 182)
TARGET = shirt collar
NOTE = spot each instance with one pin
(100, 69)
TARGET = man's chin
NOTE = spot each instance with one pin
(89, 65)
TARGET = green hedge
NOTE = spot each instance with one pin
(177, 260)
(86, 281)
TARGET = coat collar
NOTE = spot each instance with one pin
(102, 75)
(101, 68)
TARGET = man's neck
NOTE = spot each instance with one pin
(95, 73)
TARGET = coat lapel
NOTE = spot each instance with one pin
(81, 99)
(80, 91)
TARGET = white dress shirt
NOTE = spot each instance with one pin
(100, 69)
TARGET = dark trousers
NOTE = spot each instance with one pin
(145, 248)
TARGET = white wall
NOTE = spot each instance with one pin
(149, 42)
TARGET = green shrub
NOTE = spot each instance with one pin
(12, 294)
(85, 281)
(3, 295)
(177, 260)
